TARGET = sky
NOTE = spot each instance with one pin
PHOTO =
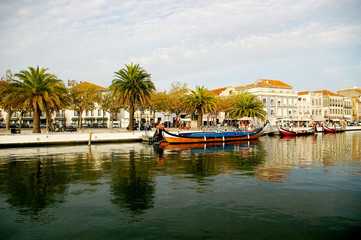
(308, 44)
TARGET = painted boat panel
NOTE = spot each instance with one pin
(212, 137)
(285, 132)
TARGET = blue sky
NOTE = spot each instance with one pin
(310, 45)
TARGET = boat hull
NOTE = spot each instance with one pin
(285, 132)
(333, 130)
(179, 139)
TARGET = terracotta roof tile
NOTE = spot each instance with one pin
(245, 86)
(87, 84)
(326, 92)
(266, 82)
(356, 99)
(273, 83)
(303, 93)
(218, 91)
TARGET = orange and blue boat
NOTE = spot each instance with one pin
(211, 137)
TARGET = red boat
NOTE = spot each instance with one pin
(333, 129)
(303, 132)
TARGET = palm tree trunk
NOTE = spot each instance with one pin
(7, 121)
(111, 119)
(131, 115)
(36, 118)
(200, 118)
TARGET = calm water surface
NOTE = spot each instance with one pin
(273, 188)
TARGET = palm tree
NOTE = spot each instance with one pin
(202, 100)
(38, 91)
(247, 105)
(135, 87)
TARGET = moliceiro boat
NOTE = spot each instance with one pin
(334, 129)
(210, 137)
(299, 132)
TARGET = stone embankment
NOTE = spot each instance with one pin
(84, 136)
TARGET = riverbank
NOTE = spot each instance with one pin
(83, 136)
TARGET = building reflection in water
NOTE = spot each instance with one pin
(286, 153)
(36, 179)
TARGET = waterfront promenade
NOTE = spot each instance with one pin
(83, 136)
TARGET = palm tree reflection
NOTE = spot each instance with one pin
(131, 186)
(33, 186)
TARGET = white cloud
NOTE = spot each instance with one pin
(173, 40)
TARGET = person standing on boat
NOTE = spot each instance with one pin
(158, 135)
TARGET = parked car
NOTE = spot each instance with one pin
(71, 129)
(103, 125)
(84, 125)
(94, 125)
(116, 125)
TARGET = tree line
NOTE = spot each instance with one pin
(37, 91)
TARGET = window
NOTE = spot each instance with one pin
(76, 113)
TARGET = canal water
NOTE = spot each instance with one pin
(273, 188)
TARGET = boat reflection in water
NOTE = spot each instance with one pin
(306, 185)
(245, 149)
(201, 147)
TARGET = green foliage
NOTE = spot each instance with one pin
(134, 86)
(112, 104)
(202, 101)
(249, 105)
(83, 98)
(37, 91)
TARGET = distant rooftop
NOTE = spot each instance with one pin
(218, 91)
(267, 83)
(87, 84)
(326, 92)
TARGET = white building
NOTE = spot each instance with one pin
(279, 100)
(310, 106)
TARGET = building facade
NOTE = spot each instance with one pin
(310, 106)
(278, 98)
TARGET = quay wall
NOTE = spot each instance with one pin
(20, 140)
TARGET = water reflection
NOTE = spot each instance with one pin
(34, 180)
(131, 186)
(34, 185)
(201, 161)
(287, 153)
